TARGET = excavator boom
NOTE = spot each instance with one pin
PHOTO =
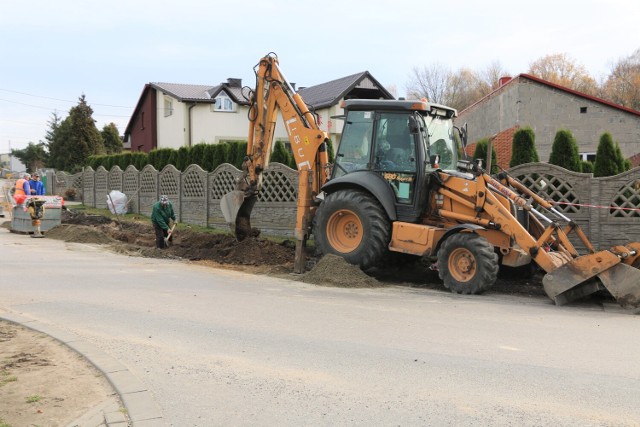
(272, 95)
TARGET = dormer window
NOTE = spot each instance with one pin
(223, 103)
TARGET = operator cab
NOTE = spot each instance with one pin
(402, 142)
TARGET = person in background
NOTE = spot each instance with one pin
(37, 187)
(22, 189)
(161, 215)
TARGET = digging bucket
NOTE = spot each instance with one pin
(236, 209)
(590, 273)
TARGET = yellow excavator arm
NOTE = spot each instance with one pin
(274, 94)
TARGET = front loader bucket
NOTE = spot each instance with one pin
(623, 282)
(590, 273)
(236, 209)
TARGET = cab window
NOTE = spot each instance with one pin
(396, 156)
(354, 151)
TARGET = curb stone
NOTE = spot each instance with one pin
(132, 405)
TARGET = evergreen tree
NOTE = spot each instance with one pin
(523, 148)
(34, 156)
(280, 154)
(76, 138)
(152, 158)
(111, 138)
(198, 155)
(220, 155)
(169, 157)
(240, 154)
(586, 166)
(606, 158)
(330, 151)
(209, 153)
(620, 160)
(183, 158)
(53, 140)
(564, 151)
(232, 152)
(139, 159)
(481, 154)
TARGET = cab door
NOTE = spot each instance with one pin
(399, 159)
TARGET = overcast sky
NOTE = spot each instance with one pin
(52, 52)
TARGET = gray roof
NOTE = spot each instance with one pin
(200, 93)
(329, 93)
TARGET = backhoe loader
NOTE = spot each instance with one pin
(398, 186)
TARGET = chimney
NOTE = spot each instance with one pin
(503, 81)
(293, 85)
(234, 82)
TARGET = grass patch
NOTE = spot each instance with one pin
(6, 377)
(34, 398)
(3, 423)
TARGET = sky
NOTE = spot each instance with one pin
(52, 52)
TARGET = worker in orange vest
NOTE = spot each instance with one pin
(22, 189)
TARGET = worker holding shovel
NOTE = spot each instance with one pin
(161, 216)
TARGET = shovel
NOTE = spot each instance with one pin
(166, 239)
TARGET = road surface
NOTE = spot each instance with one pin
(219, 347)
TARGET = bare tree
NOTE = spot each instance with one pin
(431, 82)
(560, 69)
(623, 84)
(459, 89)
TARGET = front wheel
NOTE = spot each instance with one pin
(353, 225)
(467, 263)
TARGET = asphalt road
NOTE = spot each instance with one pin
(219, 348)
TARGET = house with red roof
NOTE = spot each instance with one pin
(546, 107)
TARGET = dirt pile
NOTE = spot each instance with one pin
(78, 234)
(138, 238)
(333, 270)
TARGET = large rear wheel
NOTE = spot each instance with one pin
(353, 225)
(467, 263)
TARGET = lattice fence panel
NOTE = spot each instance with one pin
(553, 188)
(194, 183)
(130, 180)
(222, 183)
(115, 179)
(626, 200)
(277, 187)
(148, 180)
(170, 181)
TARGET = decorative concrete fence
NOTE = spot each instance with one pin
(194, 193)
(608, 209)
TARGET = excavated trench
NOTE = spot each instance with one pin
(260, 256)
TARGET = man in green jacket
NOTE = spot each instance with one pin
(161, 215)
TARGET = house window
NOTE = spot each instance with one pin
(583, 110)
(223, 103)
(588, 157)
(168, 107)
